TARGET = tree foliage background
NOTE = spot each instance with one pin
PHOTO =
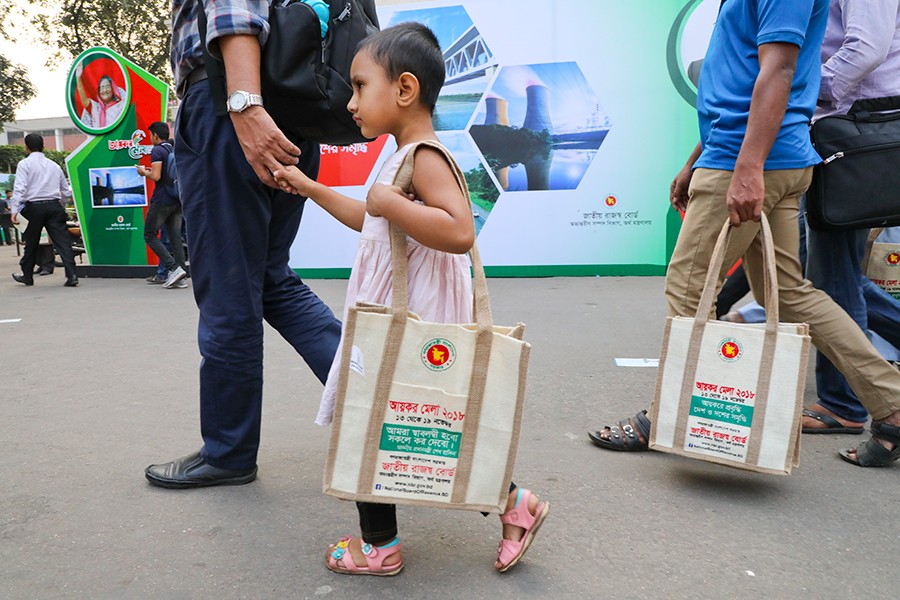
(15, 87)
(15, 90)
(11, 155)
(138, 30)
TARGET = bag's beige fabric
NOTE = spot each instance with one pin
(883, 264)
(732, 393)
(426, 413)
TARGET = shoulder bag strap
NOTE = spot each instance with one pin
(215, 68)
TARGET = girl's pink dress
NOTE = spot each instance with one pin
(440, 286)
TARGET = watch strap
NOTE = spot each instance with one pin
(251, 100)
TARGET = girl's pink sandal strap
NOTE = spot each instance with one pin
(519, 516)
(339, 560)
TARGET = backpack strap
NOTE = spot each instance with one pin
(215, 68)
(481, 309)
(171, 150)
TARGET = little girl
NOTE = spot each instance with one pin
(397, 75)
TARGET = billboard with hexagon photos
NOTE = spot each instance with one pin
(569, 119)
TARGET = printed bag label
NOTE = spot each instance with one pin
(420, 444)
(719, 420)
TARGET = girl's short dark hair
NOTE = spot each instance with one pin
(409, 47)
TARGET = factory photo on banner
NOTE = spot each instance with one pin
(569, 130)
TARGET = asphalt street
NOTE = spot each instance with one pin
(101, 380)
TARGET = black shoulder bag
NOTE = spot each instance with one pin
(857, 185)
(305, 79)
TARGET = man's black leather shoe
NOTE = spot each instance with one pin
(71, 282)
(22, 279)
(192, 471)
(43, 272)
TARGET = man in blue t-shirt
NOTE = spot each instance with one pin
(758, 90)
(165, 209)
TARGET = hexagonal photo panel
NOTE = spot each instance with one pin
(482, 190)
(539, 126)
(468, 61)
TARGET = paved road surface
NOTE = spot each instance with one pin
(101, 380)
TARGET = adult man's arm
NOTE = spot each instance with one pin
(19, 188)
(154, 173)
(768, 104)
(264, 145)
(65, 190)
(678, 191)
(869, 29)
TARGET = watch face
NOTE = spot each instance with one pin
(237, 102)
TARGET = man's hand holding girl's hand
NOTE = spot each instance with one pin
(265, 146)
(292, 180)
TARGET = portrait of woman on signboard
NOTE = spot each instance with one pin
(102, 107)
(98, 94)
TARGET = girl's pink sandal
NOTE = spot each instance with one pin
(510, 552)
(338, 559)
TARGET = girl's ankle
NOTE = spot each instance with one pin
(388, 544)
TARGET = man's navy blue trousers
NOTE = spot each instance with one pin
(239, 234)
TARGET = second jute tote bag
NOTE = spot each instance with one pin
(732, 393)
(426, 413)
(883, 264)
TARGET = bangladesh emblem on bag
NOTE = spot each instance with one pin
(438, 354)
(730, 350)
(892, 259)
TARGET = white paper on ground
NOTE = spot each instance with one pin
(637, 362)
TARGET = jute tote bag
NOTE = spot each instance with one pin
(732, 393)
(883, 264)
(426, 413)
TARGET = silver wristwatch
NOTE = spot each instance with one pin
(240, 101)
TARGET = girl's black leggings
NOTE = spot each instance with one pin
(378, 522)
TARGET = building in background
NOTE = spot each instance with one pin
(59, 133)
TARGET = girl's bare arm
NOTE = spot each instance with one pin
(444, 222)
(348, 211)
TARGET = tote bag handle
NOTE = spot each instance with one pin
(399, 316)
(870, 241)
(481, 309)
(701, 318)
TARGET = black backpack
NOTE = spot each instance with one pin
(305, 79)
(170, 173)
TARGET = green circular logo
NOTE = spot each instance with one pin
(438, 354)
(690, 31)
(730, 350)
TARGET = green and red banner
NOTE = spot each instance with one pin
(114, 101)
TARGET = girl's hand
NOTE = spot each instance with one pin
(382, 196)
(292, 180)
